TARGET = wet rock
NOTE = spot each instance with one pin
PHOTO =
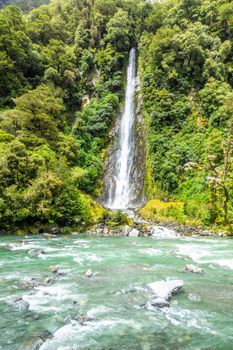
(20, 303)
(206, 233)
(49, 235)
(29, 283)
(21, 232)
(54, 229)
(165, 289)
(89, 273)
(60, 273)
(157, 302)
(74, 233)
(221, 234)
(134, 233)
(193, 269)
(53, 268)
(125, 230)
(36, 342)
(48, 280)
(83, 319)
(36, 252)
(105, 230)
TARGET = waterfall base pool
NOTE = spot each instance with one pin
(115, 317)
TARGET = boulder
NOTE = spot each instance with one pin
(105, 230)
(74, 233)
(134, 233)
(89, 273)
(49, 235)
(53, 268)
(48, 280)
(193, 269)
(27, 282)
(125, 230)
(221, 234)
(165, 289)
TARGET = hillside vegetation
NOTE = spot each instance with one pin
(25, 5)
(62, 76)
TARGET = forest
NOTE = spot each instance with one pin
(62, 82)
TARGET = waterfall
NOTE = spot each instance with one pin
(120, 188)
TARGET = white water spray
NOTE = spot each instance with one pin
(120, 193)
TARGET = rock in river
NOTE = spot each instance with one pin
(20, 303)
(193, 269)
(157, 302)
(165, 289)
(53, 268)
(89, 273)
(134, 233)
(28, 282)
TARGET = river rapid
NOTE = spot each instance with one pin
(68, 310)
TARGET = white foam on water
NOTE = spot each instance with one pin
(151, 251)
(164, 232)
(84, 335)
(46, 296)
(194, 252)
(187, 318)
(225, 263)
(24, 246)
(98, 310)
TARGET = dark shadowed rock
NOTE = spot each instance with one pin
(157, 302)
(193, 269)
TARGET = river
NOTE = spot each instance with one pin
(116, 317)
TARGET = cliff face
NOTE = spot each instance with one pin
(138, 169)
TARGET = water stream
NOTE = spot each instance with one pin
(120, 188)
(198, 318)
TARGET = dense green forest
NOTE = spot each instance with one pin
(62, 77)
(25, 5)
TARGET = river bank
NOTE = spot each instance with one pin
(120, 223)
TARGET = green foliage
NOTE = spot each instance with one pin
(187, 91)
(62, 70)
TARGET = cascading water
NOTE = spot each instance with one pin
(120, 188)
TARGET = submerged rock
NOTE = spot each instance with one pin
(36, 252)
(193, 269)
(165, 289)
(20, 303)
(89, 273)
(36, 342)
(27, 282)
(134, 233)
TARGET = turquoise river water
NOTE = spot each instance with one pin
(201, 317)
